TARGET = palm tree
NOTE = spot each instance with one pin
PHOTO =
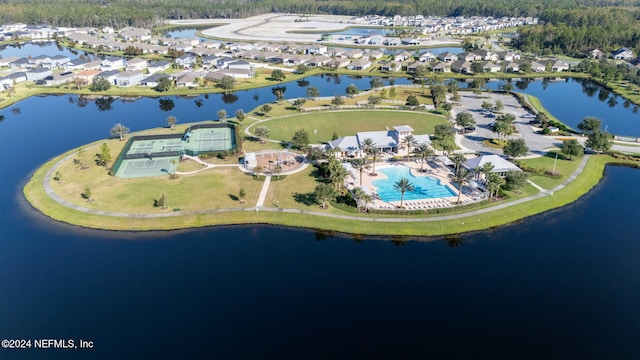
(403, 185)
(410, 141)
(374, 152)
(361, 198)
(462, 177)
(457, 159)
(360, 165)
(337, 173)
(367, 144)
(486, 169)
(493, 183)
(424, 151)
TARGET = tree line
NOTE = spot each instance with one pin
(119, 13)
(571, 31)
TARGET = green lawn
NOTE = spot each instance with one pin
(563, 166)
(321, 125)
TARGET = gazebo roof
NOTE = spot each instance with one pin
(499, 164)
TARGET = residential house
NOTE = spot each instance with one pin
(113, 63)
(238, 73)
(59, 78)
(402, 56)
(593, 53)
(338, 63)
(224, 62)
(427, 57)
(75, 64)
(509, 56)
(153, 80)
(8, 60)
(85, 77)
(56, 61)
(375, 55)
(94, 65)
(318, 61)
(21, 63)
(461, 66)
(188, 79)
(136, 64)
(391, 66)
(441, 67)
(537, 67)
(317, 50)
(187, 60)
(410, 41)
(447, 57)
(486, 55)
(240, 64)
(109, 75)
(512, 67)
(622, 54)
(559, 66)
(376, 40)
(157, 66)
(490, 66)
(392, 41)
(129, 78)
(354, 53)
(468, 56)
(298, 60)
(360, 64)
(411, 68)
(38, 74)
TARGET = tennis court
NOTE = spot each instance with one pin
(210, 140)
(135, 168)
(154, 155)
(150, 156)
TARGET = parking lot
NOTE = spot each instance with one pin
(472, 141)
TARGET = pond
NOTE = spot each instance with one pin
(571, 100)
(560, 283)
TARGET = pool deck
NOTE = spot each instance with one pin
(434, 170)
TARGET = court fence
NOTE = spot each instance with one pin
(125, 155)
(235, 144)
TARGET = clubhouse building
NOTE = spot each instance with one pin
(389, 141)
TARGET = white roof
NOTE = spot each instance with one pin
(347, 143)
(403, 128)
(499, 164)
(423, 139)
(380, 138)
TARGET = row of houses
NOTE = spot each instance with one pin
(451, 25)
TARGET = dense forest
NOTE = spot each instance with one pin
(570, 31)
(566, 26)
(152, 12)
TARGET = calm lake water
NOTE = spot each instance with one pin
(558, 285)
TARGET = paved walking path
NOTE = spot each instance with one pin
(206, 165)
(536, 186)
(263, 192)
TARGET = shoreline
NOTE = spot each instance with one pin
(501, 214)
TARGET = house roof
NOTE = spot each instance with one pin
(403, 128)
(347, 143)
(380, 138)
(499, 164)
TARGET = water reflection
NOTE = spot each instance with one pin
(166, 104)
(229, 98)
(105, 103)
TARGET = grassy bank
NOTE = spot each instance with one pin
(36, 195)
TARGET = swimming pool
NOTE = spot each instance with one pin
(426, 187)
